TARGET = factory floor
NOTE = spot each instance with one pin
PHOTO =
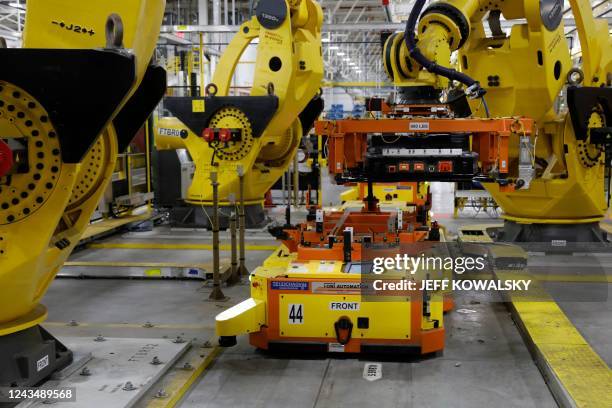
(485, 358)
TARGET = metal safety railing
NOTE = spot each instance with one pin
(12, 20)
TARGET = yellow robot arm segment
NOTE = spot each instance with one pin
(224, 71)
(68, 106)
(444, 27)
(70, 24)
(595, 43)
(266, 126)
(523, 73)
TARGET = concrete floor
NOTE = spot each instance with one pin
(485, 360)
(484, 353)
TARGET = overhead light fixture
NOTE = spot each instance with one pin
(325, 40)
(334, 47)
(340, 54)
(346, 59)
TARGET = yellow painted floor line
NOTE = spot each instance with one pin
(574, 278)
(132, 326)
(103, 226)
(147, 245)
(183, 380)
(606, 226)
(122, 264)
(554, 278)
(577, 374)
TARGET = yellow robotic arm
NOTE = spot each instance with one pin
(70, 100)
(557, 181)
(261, 132)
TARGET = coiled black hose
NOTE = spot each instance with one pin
(415, 53)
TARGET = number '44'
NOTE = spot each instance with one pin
(296, 313)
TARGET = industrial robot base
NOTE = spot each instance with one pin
(30, 356)
(583, 233)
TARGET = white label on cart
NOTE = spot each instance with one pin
(338, 287)
(335, 348)
(326, 267)
(298, 268)
(419, 126)
(558, 243)
(42, 363)
(344, 306)
(319, 216)
(296, 313)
